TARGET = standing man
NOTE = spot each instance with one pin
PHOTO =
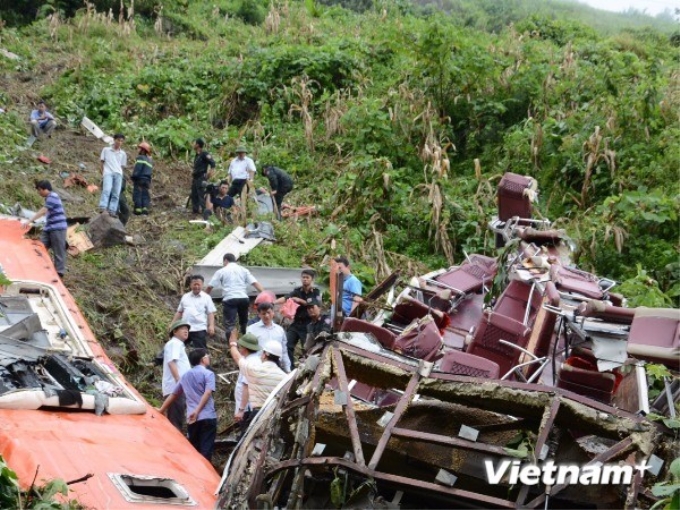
(204, 164)
(318, 323)
(197, 308)
(141, 179)
(114, 160)
(175, 365)
(280, 184)
(241, 171)
(42, 121)
(351, 287)
(197, 386)
(263, 373)
(265, 330)
(234, 281)
(249, 349)
(54, 232)
(297, 331)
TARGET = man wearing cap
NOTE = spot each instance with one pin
(198, 309)
(203, 169)
(197, 386)
(318, 324)
(175, 365)
(263, 373)
(265, 330)
(141, 179)
(297, 331)
(234, 280)
(241, 171)
(249, 348)
(114, 160)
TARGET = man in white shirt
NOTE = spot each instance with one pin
(114, 160)
(265, 330)
(175, 365)
(241, 171)
(234, 281)
(197, 308)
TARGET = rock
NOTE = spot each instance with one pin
(68, 197)
(105, 231)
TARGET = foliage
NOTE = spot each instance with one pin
(44, 497)
(669, 492)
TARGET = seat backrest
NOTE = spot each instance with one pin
(463, 363)
(589, 383)
(574, 280)
(543, 330)
(655, 335)
(486, 342)
(421, 339)
(382, 335)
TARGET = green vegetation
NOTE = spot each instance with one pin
(45, 497)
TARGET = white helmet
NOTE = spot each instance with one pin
(273, 347)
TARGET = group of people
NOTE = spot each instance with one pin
(262, 349)
(220, 199)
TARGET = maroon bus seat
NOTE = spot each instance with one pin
(467, 278)
(421, 339)
(382, 335)
(409, 309)
(495, 327)
(568, 279)
(514, 299)
(655, 336)
(463, 363)
(579, 374)
(512, 199)
(609, 313)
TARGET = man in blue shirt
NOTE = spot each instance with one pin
(351, 287)
(42, 121)
(198, 385)
(54, 232)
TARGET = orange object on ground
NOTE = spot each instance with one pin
(137, 454)
(44, 159)
(296, 212)
(92, 188)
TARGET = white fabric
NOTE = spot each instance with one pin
(195, 309)
(234, 281)
(263, 377)
(240, 168)
(273, 332)
(114, 160)
(174, 351)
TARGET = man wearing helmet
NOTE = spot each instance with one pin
(141, 178)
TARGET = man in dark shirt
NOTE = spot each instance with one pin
(318, 324)
(54, 232)
(203, 169)
(219, 203)
(280, 184)
(297, 331)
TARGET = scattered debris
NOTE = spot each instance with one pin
(44, 159)
(75, 179)
(95, 130)
(8, 54)
(78, 240)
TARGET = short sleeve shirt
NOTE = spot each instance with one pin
(194, 384)
(174, 351)
(234, 281)
(350, 288)
(195, 309)
(239, 168)
(114, 160)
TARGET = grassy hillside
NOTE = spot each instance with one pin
(396, 124)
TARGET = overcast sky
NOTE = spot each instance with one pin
(652, 7)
